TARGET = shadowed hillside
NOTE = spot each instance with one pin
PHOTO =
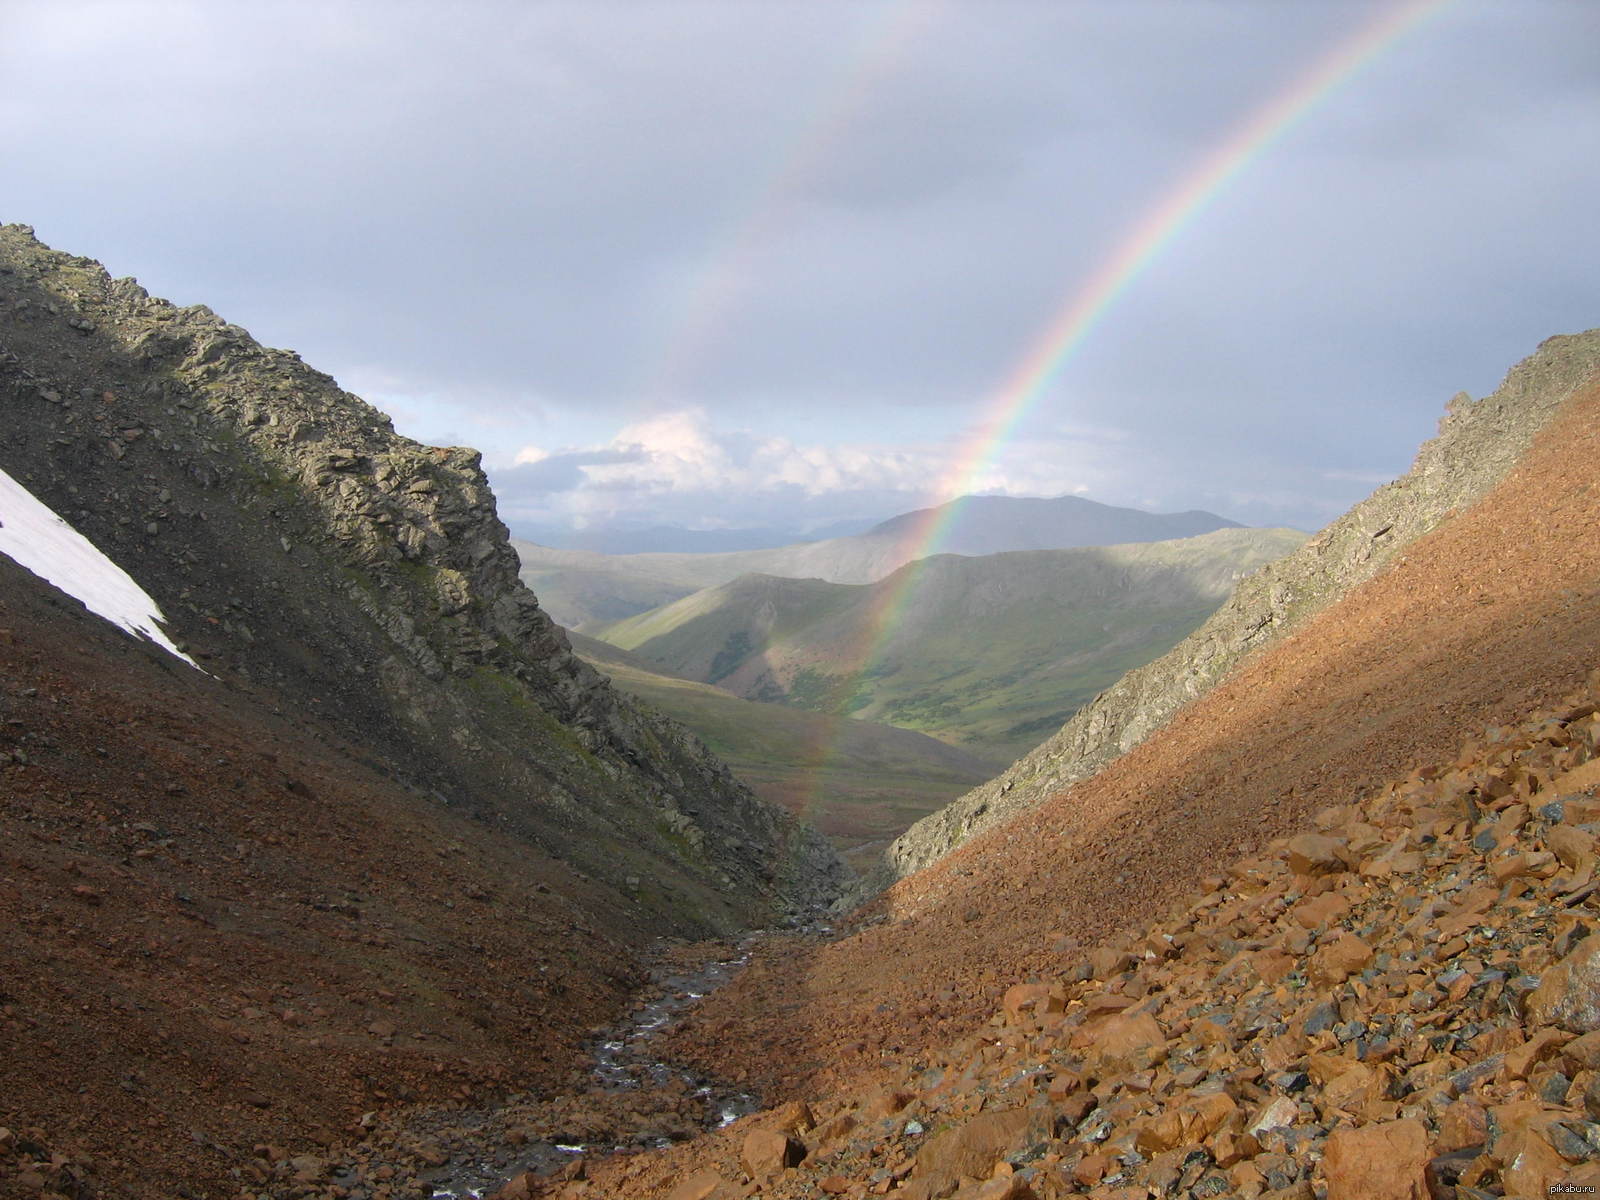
(397, 843)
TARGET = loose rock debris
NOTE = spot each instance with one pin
(1402, 1003)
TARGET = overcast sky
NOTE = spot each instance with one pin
(762, 263)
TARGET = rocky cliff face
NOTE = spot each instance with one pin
(1477, 445)
(300, 547)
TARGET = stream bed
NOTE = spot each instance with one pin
(636, 1100)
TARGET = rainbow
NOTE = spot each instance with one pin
(704, 309)
(1087, 306)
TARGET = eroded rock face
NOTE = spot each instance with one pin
(298, 544)
(1478, 443)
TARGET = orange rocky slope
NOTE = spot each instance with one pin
(1493, 615)
(1403, 1003)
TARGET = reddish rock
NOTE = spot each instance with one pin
(1574, 847)
(1272, 964)
(1315, 854)
(1377, 1162)
(1020, 998)
(974, 1147)
(1009, 1187)
(1320, 910)
(1123, 1039)
(1091, 1169)
(520, 1187)
(1443, 1173)
(1336, 961)
(1522, 1148)
(1520, 1061)
(795, 1117)
(1579, 779)
(1277, 1113)
(1107, 961)
(885, 1104)
(768, 1151)
(1582, 1051)
(1461, 1125)
(1529, 1165)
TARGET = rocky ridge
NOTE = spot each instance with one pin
(297, 544)
(1478, 443)
(1402, 1001)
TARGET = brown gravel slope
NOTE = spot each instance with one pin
(220, 928)
(1493, 614)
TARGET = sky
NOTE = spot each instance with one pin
(775, 264)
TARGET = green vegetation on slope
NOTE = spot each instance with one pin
(991, 653)
(581, 588)
(858, 782)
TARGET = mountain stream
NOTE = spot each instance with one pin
(486, 1147)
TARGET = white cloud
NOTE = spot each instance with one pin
(678, 467)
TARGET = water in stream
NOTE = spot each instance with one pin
(485, 1149)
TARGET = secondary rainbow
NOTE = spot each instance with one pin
(1026, 383)
(705, 308)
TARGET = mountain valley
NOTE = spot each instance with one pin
(583, 588)
(858, 782)
(989, 653)
(371, 898)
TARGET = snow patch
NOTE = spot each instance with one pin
(34, 537)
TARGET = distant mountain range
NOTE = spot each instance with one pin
(991, 653)
(579, 588)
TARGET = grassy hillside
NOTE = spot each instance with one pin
(581, 588)
(992, 653)
(859, 782)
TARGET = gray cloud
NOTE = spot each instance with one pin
(554, 219)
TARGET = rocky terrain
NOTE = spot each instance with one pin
(1478, 443)
(367, 910)
(395, 844)
(1484, 626)
(295, 541)
(1403, 1001)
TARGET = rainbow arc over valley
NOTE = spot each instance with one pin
(1021, 389)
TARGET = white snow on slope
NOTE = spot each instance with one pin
(32, 535)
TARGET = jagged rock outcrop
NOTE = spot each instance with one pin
(1478, 443)
(300, 546)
